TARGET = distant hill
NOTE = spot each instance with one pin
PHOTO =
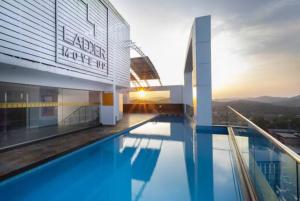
(250, 108)
(268, 99)
(278, 101)
(290, 102)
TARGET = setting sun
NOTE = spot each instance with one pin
(142, 93)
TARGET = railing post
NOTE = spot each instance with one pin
(79, 115)
(298, 180)
(85, 108)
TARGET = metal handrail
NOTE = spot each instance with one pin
(279, 144)
(71, 114)
(246, 184)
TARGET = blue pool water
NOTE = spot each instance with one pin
(162, 160)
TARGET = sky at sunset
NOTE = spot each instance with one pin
(255, 43)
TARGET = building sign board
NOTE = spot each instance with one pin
(81, 35)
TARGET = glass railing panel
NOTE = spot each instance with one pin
(273, 173)
(220, 114)
(224, 116)
(298, 170)
(235, 120)
(273, 170)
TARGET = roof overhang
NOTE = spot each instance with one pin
(144, 69)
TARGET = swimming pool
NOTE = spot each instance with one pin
(161, 160)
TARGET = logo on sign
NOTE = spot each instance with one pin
(88, 47)
(82, 43)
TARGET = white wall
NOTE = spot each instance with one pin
(118, 105)
(203, 71)
(188, 89)
(198, 71)
(109, 113)
(119, 50)
(20, 75)
(107, 117)
(120, 114)
(28, 37)
(176, 94)
(202, 56)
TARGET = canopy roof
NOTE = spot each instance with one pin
(143, 68)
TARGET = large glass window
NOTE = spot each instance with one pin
(33, 112)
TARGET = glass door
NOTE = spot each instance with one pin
(15, 116)
(2, 110)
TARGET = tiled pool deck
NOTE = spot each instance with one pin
(25, 157)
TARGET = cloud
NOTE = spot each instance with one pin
(245, 34)
(271, 29)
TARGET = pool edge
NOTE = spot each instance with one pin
(18, 172)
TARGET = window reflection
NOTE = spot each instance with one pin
(151, 129)
(273, 173)
(32, 112)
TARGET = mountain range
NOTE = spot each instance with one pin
(278, 101)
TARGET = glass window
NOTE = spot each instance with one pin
(33, 112)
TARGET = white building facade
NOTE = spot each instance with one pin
(62, 64)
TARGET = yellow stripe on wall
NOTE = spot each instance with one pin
(44, 104)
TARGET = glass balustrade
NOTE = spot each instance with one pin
(272, 167)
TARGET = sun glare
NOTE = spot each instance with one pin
(142, 94)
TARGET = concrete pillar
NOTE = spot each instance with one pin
(107, 108)
(202, 71)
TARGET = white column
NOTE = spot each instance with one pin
(108, 107)
(202, 67)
